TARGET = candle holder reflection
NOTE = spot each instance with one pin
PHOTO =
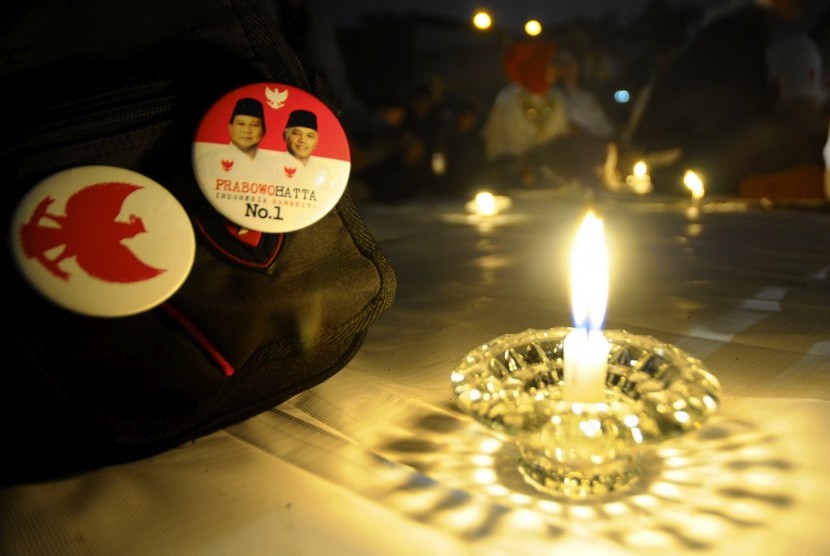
(653, 392)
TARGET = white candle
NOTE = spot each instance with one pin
(586, 358)
(585, 348)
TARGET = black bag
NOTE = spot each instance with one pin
(125, 84)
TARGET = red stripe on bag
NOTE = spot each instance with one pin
(200, 338)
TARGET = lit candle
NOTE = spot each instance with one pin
(640, 181)
(487, 204)
(694, 184)
(586, 348)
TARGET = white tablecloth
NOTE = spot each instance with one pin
(377, 460)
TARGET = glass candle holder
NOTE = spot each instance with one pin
(653, 392)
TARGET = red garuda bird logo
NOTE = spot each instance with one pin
(89, 232)
(227, 165)
(289, 171)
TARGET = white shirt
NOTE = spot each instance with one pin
(290, 171)
(229, 162)
(520, 120)
(585, 111)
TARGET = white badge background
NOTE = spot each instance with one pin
(168, 243)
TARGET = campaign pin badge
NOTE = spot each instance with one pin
(271, 158)
(102, 241)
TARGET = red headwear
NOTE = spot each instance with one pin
(526, 63)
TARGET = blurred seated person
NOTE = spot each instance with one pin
(527, 136)
(393, 162)
(719, 106)
(795, 64)
(426, 116)
(584, 111)
(525, 113)
(464, 149)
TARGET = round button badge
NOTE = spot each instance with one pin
(102, 241)
(271, 158)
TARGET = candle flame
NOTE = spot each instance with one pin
(589, 274)
(485, 203)
(640, 169)
(694, 184)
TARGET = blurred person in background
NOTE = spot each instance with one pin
(528, 138)
(724, 106)
(584, 111)
(395, 159)
(428, 122)
(464, 148)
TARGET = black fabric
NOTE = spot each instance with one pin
(125, 84)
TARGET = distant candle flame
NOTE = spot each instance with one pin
(485, 204)
(640, 181)
(694, 184)
(589, 274)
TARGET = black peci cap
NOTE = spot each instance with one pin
(302, 118)
(248, 107)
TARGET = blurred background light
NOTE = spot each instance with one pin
(482, 20)
(533, 27)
